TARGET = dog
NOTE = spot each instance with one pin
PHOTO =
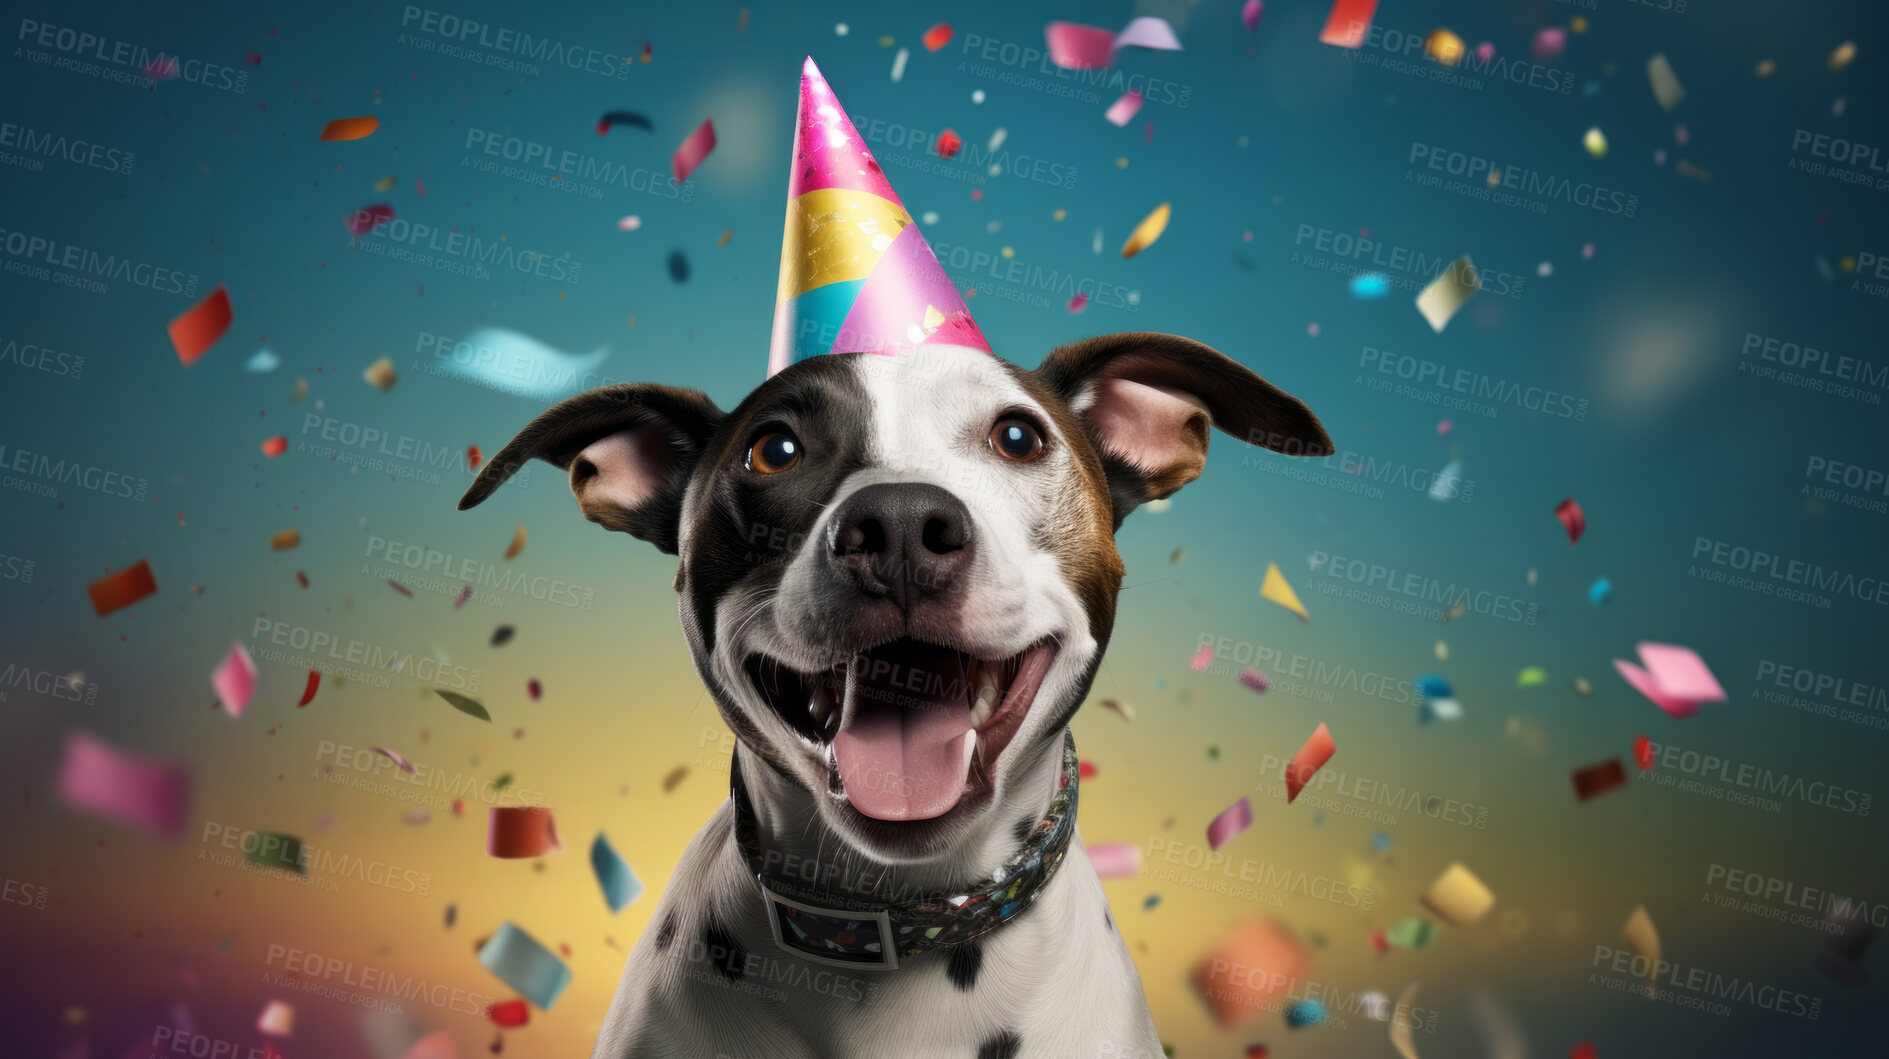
(897, 576)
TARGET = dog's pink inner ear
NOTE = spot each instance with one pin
(1162, 431)
(619, 472)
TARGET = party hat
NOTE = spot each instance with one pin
(856, 274)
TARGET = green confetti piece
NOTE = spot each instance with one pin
(464, 705)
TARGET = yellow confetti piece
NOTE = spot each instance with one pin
(742, 22)
(518, 543)
(1765, 67)
(1059, 215)
(886, 42)
(381, 374)
(385, 183)
(726, 234)
(1147, 231)
(1458, 897)
(1578, 23)
(1121, 163)
(1277, 589)
(1643, 938)
(1841, 57)
(1444, 47)
(1596, 142)
(1009, 252)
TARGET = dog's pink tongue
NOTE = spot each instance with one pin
(902, 746)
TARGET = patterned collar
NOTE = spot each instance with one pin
(877, 937)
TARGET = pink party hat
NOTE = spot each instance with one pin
(856, 274)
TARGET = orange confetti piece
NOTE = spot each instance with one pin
(285, 540)
(1311, 757)
(275, 446)
(937, 36)
(123, 588)
(196, 329)
(474, 456)
(518, 543)
(350, 128)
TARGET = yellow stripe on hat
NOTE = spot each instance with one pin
(835, 234)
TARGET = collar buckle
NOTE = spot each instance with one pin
(834, 936)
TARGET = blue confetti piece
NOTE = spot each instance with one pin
(522, 963)
(1431, 686)
(1305, 1013)
(1600, 592)
(264, 360)
(1148, 902)
(509, 362)
(1370, 285)
(1381, 842)
(614, 874)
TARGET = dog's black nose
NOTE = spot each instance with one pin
(903, 540)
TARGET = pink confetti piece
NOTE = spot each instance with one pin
(1231, 821)
(1146, 32)
(1318, 749)
(235, 680)
(416, 817)
(1254, 679)
(99, 778)
(1075, 47)
(1249, 14)
(1115, 860)
(253, 58)
(465, 593)
(1078, 302)
(1548, 43)
(162, 68)
(367, 218)
(394, 756)
(1485, 51)
(1443, 427)
(1572, 518)
(277, 1019)
(1675, 679)
(1587, 252)
(1312, 329)
(419, 186)
(693, 150)
(1680, 134)
(1202, 659)
(1123, 110)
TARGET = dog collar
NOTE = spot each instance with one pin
(877, 937)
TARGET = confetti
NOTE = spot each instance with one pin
(400, 588)
(510, 1014)
(1401, 1038)
(1232, 820)
(1675, 679)
(517, 832)
(1666, 87)
(1370, 285)
(1842, 56)
(949, 144)
(235, 680)
(1458, 897)
(674, 778)
(692, 151)
(1120, 708)
(437, 1045)
(1305, 1013)
(276, 446)
(1549, 42)
(122, 589)
(1643, 939)
(1249, 14)
(1147, 231)
(1078, 302)
(530, 968)
(1443, 428)
(1348, 23)
(1443, 47)
(1448, 483)
(1572, 518)
(367, 218)
(197, 328)
(726, 235)
(1318, 749)
(386, 183)
(678, 266)
(1123, 110)
(301, 579)
(1596, 142)
(99, 778)
(1250, 964)
(1765, 67)
(1600, 592)
(1448, 292)
(626, 117)
(1115, 860)
(350, 128)
(937, 36)
(1599, 778)
(277, 1019)
(464, 705)
(474, 457)
(1202, 659)
(381, 374)
(1276, 589)
(534, 689)
(512, 362)
(898, 64)
(395, 757)
(503, 635)
(1582, 687)
(620, 885)
(1485, 52)
(1254, 679)
(262, 362)
(1075, 47)
(1533, 676)
(629, 223)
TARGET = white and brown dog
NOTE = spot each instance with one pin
(897, 577)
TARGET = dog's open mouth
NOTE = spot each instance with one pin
(904, 722)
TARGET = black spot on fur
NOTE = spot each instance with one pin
(1107, 920)
(723, 951)
(1005, 1045)
(966, 959)
(1024, 828)
(667, 932)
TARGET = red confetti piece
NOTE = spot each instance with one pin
(937, 36)
(535, 689)
(314, 685)
(1085, 769)
(350, 128)
(1311, 757)
(301, 579)
(367, 218)
(197, 328)
(693, 150)
(459, 807)
(949, 143)
(275, 446)
(1643, 753)
(510, 1014)
(521, 831)
(1599, 779)
(1348, 23)
(474, 456)
(123, 588)
(1570, 513)
(400, 588)
(253, 58)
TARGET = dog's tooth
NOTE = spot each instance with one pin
(820, 706)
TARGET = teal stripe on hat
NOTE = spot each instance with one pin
(818, 314)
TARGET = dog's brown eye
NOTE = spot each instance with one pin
(773, 453)
(1016, 439)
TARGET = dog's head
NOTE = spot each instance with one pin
(898, 573)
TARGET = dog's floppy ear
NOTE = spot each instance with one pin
(629, 448)
(1147, 399)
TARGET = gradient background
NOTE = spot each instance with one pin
(1278, 132)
